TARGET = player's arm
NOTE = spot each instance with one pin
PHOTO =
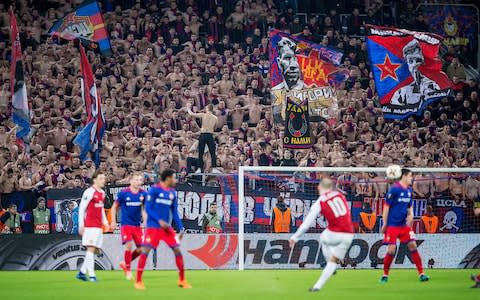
(143, 212)
(176, 217)
(386, 210)
(410, 216)
(86, 198)
(410, 213)
(105, 220)
(113, 211)
(307, 223)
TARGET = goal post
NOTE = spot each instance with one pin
(445, 189)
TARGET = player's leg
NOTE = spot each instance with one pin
(181, 268)
(92, 239)
(407, 236)
(334, 248)
(88, 261)
(126, 233)
(126, 264)
(151, 240)
(130, 235)
(417, 260)
(389, 239)
(137, 238)
(327, 272)
(387, 261)
(171, 239)
(142, 261)
(475, 278)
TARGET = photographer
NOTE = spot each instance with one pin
(41, 217)
(11, 220)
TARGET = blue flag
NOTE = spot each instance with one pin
(90, 138)
(21, 110)
(85, 23)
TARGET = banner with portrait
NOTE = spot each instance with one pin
(302, 73)
(407, 70)
(458, 24)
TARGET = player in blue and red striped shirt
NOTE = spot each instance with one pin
(161, 207)
(130, 201)
(398, 220)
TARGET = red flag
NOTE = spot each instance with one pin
(88, 83)
(90, 138)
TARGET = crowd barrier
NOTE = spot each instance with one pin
(219, 251)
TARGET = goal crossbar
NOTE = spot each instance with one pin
(241, 188)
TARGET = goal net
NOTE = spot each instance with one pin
(273, 201)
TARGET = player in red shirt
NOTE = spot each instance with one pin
(91, 221)
(337, 238)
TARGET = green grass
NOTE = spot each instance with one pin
(232, 285)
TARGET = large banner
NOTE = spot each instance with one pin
(194, 201)
(407, 70)
(220, 251)
(458, 24)
(301, 73)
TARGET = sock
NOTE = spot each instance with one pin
(387, 262)
(136, 253)
(83, 268)
(478, 278)
(417, 260)
(141, 265)
(90, 262)
(128, 258)
(181, 270)
(326, 273)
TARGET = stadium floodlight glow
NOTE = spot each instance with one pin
(251, 177)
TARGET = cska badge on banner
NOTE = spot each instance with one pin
(407, 71)
(302, 75)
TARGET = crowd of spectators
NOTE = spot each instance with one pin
(173, 56)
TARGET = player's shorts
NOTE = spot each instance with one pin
(403, 233)
(92, 237)
(153, 236)
(337, 243)
(131, 233)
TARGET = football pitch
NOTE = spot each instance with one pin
(231, 285)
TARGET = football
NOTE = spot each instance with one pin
(394, 172)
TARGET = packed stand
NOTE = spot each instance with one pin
(172, 63)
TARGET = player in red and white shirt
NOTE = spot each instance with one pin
(91, 221)
(337, 238)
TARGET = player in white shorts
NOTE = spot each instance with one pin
(91, 221)
(337, 238)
